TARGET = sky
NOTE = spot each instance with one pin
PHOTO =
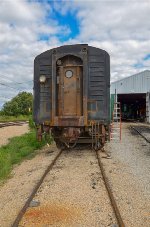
(27, 28)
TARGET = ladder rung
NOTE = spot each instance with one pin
(115, 130)
(115, 125)
(116, 139)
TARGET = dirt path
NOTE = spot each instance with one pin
(11, 131)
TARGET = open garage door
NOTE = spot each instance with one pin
(133, 106)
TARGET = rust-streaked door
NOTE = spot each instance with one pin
(71, 91)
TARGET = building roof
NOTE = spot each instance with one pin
(137, 83)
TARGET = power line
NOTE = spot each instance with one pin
(36, 81)
(16, 81)
(4, 98)
(19, 88)
(33, 81)
(8, 86)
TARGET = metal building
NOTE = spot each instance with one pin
(134, 94)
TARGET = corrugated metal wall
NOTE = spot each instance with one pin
(138, 83)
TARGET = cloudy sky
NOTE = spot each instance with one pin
(28, 28)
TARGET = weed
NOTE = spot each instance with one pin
(18, 149)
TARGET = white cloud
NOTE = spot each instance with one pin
(22, 12)
(122, 28)
(22, 24)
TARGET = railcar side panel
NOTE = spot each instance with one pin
(99, 85)
(42, 92)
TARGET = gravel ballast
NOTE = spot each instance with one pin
(129, 175)
(73, 194)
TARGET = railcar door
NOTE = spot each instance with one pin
(70, 91)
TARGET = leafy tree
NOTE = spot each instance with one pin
(19, 105)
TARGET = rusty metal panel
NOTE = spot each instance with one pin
(79, 91)
(68, 121)
(80, 52)
(69, 92)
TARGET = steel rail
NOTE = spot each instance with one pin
(148, 141)
(7, 124)
(34, 191)
(18, 121)
(110, 193)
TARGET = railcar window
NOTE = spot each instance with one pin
(69, 73)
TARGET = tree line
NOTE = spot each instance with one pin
(19, 105)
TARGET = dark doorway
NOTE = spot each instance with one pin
(133, 106)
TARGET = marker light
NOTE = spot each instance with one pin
(42, 79)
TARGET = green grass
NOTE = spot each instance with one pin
(17, 150)
(4, 118)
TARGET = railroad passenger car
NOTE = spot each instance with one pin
(72, 94)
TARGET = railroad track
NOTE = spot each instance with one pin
(49, 168)
(12, 123)
(110, 193)
(34, 191)
(140, 130)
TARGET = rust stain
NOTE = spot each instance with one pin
(50, 214)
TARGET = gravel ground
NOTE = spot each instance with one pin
(11, 131)
(129, 174)
(16, 190)
(73, 194)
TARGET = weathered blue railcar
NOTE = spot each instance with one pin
(72, 94)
